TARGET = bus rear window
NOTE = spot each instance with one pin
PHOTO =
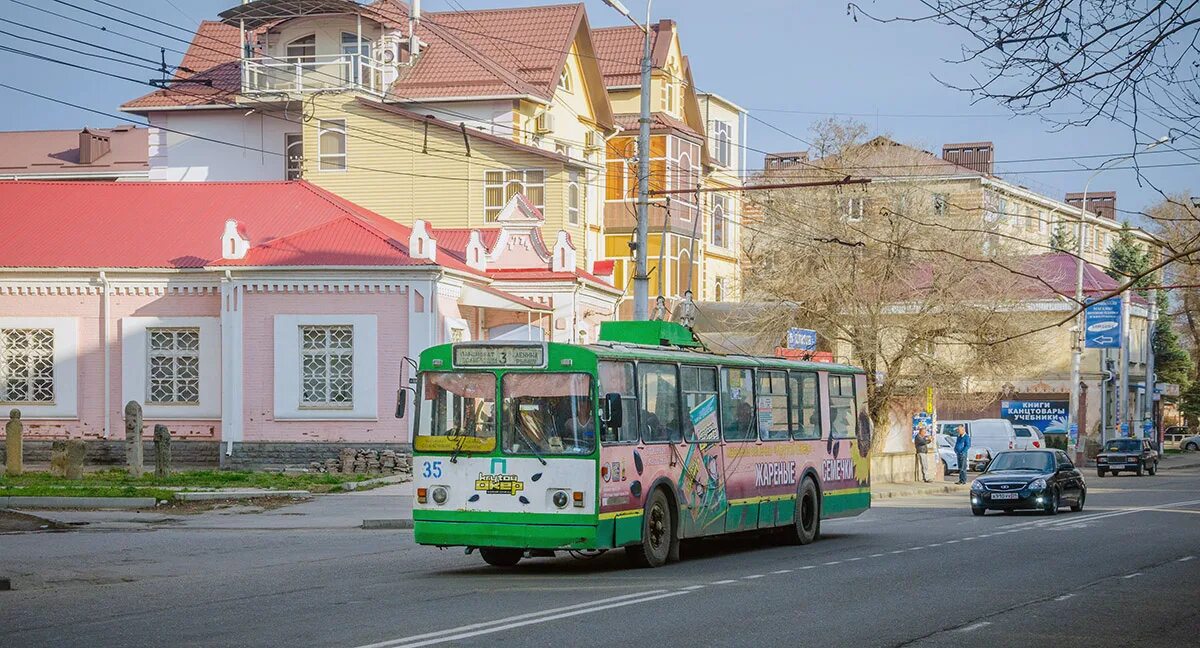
(456, 410)
(548, 413)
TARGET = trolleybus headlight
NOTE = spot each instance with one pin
(439, 495)
(560, 499)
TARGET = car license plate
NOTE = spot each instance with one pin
(997, 496)
(1116, 465)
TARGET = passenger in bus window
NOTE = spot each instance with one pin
(745, 414)
(581, 427)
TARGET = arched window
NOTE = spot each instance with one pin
(719, 206)
(683, 175)
(564, 79)
(302, 50)
(684, 277)
(719, 290)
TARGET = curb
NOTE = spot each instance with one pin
(78, 502)
(931, 490)
(1179, 467)
(349, 487)
(199, 496)
(395, 523)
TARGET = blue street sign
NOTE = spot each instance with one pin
(803, 339)
(1102, 325)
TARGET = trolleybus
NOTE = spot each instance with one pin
(636, 442)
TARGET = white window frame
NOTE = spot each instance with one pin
(574, 197)
(174, 354)
(66, 367)
(525, 184)
(941, 204)
(720, 222)
(330, 126)
(853, 208)
(28, 357)
(287, 370)
(564, 79)
(135, 363)
(325, 352)
(290, 141)
(722, 134)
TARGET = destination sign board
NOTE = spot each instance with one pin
(500, 355)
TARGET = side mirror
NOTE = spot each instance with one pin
(613, 410)
(401, 401)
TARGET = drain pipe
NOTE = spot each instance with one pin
(104, 331)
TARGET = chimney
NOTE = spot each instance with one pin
(781, 163)
(976, 156)
(1100, 203)
(92, 146)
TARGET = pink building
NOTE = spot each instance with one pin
(266, 323)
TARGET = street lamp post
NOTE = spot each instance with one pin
(1073, 413)
(641, 279)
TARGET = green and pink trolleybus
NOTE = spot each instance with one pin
(638, 441)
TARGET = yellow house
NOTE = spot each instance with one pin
(683, 241)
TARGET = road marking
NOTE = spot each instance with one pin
(952, 542)
(752, 577)
(1186, 558)
(723, 582)
(973, 626)
(1133, 575)
(897, 551)
(488, 627)
(876, 555)
(853, 559)
(1128, 511)
(782, 571)
(1063, 597)
(691, 588)
(915, 548)
(832, 562)
(809, 567)
(966, 539)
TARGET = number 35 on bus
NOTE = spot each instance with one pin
(638, 441)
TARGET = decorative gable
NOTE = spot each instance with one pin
(477, 252)
(420, 244)
(520, 210)
(562, 257)
(234, 242)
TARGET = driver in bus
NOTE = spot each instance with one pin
(582, 426)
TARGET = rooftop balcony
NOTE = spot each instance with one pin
(303, 74)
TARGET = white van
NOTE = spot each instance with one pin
(988, 437)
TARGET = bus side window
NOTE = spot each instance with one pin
(617, 377)
(805, 405)
(737, 404)
(660, 402)
(843, 407)
(698, 385)
(773, 398)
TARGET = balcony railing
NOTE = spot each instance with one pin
(297, 74)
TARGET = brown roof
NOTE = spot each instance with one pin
(58, 151)
(880, 157)
(501, 52)
(658, 121)
(619, 51)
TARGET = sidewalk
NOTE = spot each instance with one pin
(333, 511)
(936, 487)
(1179, 461)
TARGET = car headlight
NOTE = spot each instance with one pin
(1038, 484)
(977, 487)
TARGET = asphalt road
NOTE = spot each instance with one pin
(911, 572)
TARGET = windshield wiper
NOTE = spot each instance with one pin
(462, 441)
(532, 445)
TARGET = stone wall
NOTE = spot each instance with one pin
(112, 453)
(901, 468)
(264, 455)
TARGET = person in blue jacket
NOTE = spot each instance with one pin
(961, 445)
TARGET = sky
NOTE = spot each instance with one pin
(790, 63)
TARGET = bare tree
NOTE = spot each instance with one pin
(913, 303)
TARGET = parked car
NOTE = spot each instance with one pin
(1029, 479)
(945, 450)
(1029, 437)
(1174, 436)
(1127, 454)
(988, 438)
(1190, 443)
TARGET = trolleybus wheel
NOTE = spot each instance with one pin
(501, 556)
(657, 533)
(806, 525)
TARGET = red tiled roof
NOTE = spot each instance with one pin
(454, 239)
(523, 274)
(212, 56)
(619, 51)
(179, 225)
(57, 151)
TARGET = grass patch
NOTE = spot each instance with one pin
(118, 482)
(80, 490)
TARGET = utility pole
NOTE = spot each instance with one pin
(1148, 402)
(641, 278)
(1126, 410)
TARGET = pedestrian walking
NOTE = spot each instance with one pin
(961, 445)
(921, 443)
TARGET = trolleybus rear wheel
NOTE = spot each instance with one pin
(806, 526)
